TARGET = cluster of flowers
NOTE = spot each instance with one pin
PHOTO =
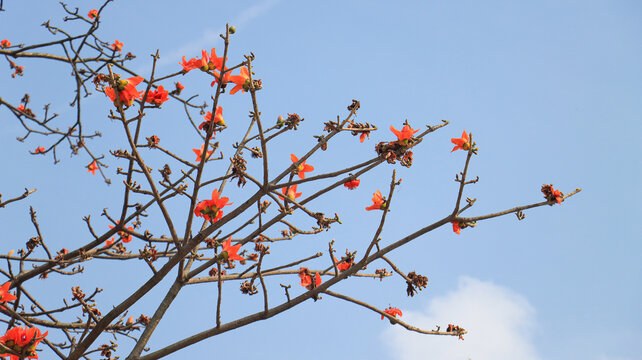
(22, 341)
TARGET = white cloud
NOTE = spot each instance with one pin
(210, 37)
(498, 321)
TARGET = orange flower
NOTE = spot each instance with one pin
(218, 118)
(213, 62)
(21, 108)
(124, 236)
(126, 90)
(5, 295)
(117, 46)
(363, 135)
(108, 243)
(291, 193)
(343, 266)
(5, 44)
(302, 168)
(352, 184)
(551, 194)
(93, 13)
(306, 279)
(210, 210)
(158, 96)
(392, 312)
(199, 153)
(18, 338)
(242, 81)
(179, 88)
(456, 227)
(461, 143)
(191, 64)
(378, 202)
(92, 168)
(39, 150)
(406, 132)
(231, 251)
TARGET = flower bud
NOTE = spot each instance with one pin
(232, 29)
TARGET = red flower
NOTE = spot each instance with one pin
(126, 90)
(210, 210)
(158, 96)
(191, 64)
(456, 227)
(343, 266)
(117, 46)
(242, 81)
(92, 168)
(39, 150)
(406, 132)
(92, 14)
(5, 295)
(199, 153)
(378, 203)
(392, 312)
(291, 193)
(18, 338)
(125, 237)
(21, 108)
(19, 70)
(218, 118)
(306, 279)
(213, 62)
(179, 88)
(551, 194)
(108, 243)
(231, 250)
(302, 168)
(5, 44)
(363, 136)
(352, 184)
(461, 143)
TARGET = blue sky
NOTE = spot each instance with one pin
(551, 91)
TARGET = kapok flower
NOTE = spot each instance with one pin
(5, 295)
(242, 81)
(392, 312)
(93, 13)
(378, 202)
(5, 44)
(124, 236)
(462, 143)
(92, 168)
(191, 64)
(199, 153)
(352, 184)
(302, 168)
(126, 90)
(230, 252)
(18, 338)
(21, 108)
(117, 46)
(18, 71)
(306, 279)
(218, 118)
(179, 88)
(39, 150)
(343, 266)
(291, 192)
(363, 136)
(406, 132)
(214, 62)
(456, 227)
(210, 210)
(158, 96)
(551, 194)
